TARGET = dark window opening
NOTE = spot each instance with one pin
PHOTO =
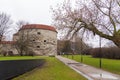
(33, 40)
(38, 33)
(38, 46)
(44, 40)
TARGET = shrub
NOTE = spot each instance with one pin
(87, 51)
(10, 53)
(4, 53)
(111, 53)
(31, 53)
(95, 52)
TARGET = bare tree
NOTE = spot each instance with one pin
(110, 44)
(101, 17)
(20, 23)
(25, 43)
(67, 47)
(5, 23)
(63, 46)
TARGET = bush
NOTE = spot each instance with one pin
(4, 53)
(10, 53)
(111, 53)
(87, 51)
(31, 53)
(95, 52)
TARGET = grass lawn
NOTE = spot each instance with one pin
(107, 64)
(53, 69)
(2, 58)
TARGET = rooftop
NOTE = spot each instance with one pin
(7, 42)
(38, 26)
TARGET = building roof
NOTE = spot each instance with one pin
(38, 26)
(7, 42)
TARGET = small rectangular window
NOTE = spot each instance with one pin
(38, 33)
(38, 46)
(44, 40)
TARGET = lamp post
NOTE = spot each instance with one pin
(81, 51)
(72, 48)
(100, 60)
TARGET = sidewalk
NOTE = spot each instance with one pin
(91, 73)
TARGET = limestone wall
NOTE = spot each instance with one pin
(7, 48)
(42, 42)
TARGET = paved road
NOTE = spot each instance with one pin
(91, 73)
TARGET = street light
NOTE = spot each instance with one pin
(100, 60)
(72, 48)
(81, 51)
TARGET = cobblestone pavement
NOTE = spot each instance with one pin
(91, 73)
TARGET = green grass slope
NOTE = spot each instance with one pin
(107, 64)
(53, 69)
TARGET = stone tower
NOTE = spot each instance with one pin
(42, 39)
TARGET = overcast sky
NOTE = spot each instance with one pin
(34, 11)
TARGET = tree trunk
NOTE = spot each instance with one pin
(21, 52)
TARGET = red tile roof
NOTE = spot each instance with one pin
(7, 42)
(38, 26)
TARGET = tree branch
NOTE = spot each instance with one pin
(92, 28)
(99, 8)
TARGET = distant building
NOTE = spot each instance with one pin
(42, 38)
(7, 46)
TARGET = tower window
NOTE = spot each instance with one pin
(44, 40)
(38, 46)
(33, 40)
(38, 33)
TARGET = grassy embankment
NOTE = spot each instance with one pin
(53, 69)
(107, 64)
(2, 58)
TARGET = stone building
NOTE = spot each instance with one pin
(6, 47)
(41, 39)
